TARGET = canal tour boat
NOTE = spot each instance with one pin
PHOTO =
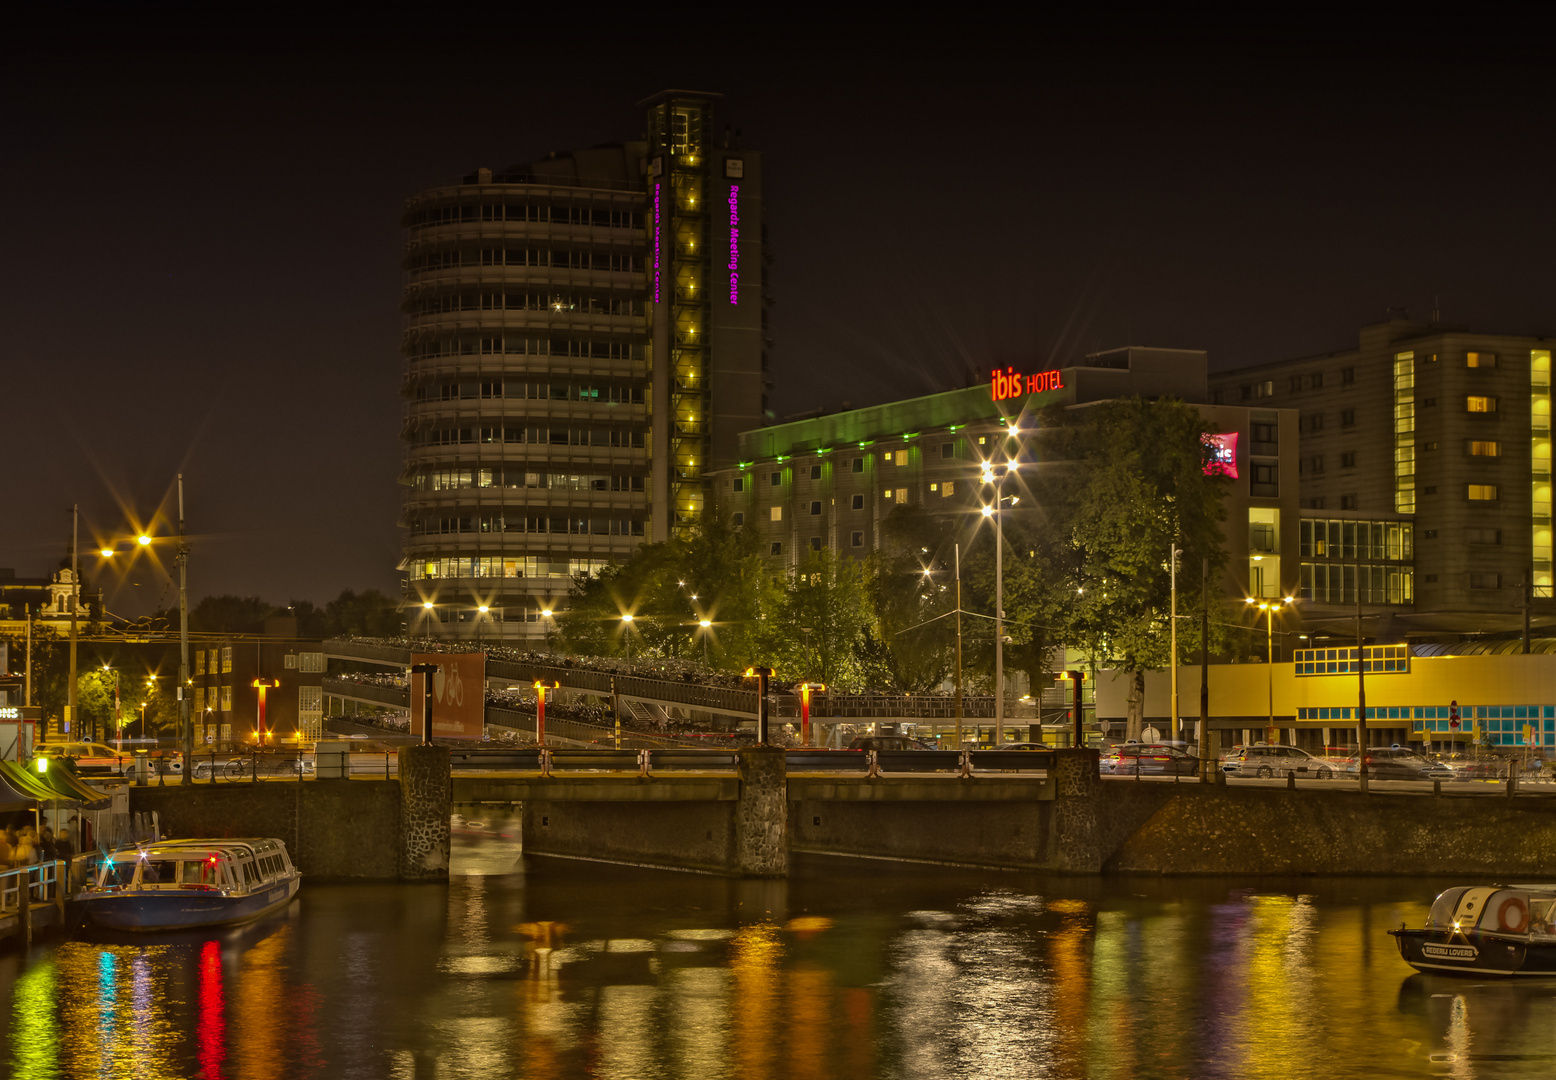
(1485, 930)
(179, 884)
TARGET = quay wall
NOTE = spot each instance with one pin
(690, 835)
(1213, 829)
(333, 829)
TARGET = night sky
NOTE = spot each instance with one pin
(202, 242)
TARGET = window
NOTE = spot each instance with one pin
(310, 662)
(1347, 418)
(1347, 376)
(902, 495)
(858, 464)
(815, 472)
(1483, 448)
(1480, 359)
(1247, 392)
(947, 489)
(1429, 534)
(1479, 403)
(1348, 460)
(1315, 422)
(815, 508)
(1431, 579)
(1429, 446)
(1482, 536)
(777, 478)
(1315, 381)
(1216, 397)
(815, 543)
(1485, 581)
(1482, 492)
(886, 493)
(1294, 383)
(858, 502)
(1264, 389)
(226, 658)
(934, 487)
(902, 457)
(738, 484)
(1315, 464)
(226, 699)
(1347, 502)
(776, 549)
(739, 519)
(775, 514)
(1265, 480)
(1428, 402)
(856, 539)
(948, 450)
(1430, 489)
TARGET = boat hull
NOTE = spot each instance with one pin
(149, 910)
(1481, 955)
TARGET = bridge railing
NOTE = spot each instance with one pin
(645, 761)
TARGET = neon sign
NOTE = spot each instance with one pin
(1010, 383)
(657, 231)
(1223, 455)
(734, 244)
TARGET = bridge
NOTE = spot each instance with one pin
(647, 697)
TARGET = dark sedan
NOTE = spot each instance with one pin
(1148, 759)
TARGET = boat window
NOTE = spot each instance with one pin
(1443, 908)
(203, 872)
(159, 872)
(1542, 915)
(118, 872)
(248, 873)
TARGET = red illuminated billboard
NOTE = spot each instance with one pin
(1223, 455)
(458, 695)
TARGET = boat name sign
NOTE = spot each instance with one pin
(1466, 953)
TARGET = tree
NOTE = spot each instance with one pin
(228, 615)
(366, 614)
(1145, 489)
(829, 598)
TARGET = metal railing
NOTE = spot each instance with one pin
(547, 761)
(37, 881)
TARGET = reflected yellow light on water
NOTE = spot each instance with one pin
(1067, 950)
(698, 1007)
(755, 952)
(810, 1014)
(35, 1049)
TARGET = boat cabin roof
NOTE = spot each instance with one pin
(200, 849)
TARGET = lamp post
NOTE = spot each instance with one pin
(75, 602)
(118, 722)
(626, 628)
(426, 671)
(1173, 638)
(263, 685)
(540, 709)
(185, 723)
(707, 627)
(810, 668)
(1270, 607)
(995, 475)
(480, 617)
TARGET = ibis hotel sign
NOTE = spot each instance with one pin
(1010, 383)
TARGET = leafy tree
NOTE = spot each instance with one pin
(1145, 489)
(366, 614)
(830, 598)
(228, 615)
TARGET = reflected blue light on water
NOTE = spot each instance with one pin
(549, 969)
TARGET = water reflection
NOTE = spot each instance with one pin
(553, 969)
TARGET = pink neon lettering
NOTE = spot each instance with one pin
(656, 241)
(734, 244)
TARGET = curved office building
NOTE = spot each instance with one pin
(541, 441)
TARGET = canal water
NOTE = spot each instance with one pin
(547, 968)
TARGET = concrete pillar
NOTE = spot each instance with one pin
(762, 813)
(1073, 841)
(425, 789)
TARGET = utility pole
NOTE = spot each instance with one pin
(1204, 671)
(75, 597)
(1361, 700)
(1173, 552)
(185, 727)
(27, 688)
(958, 682)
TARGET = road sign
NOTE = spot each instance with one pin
(1453, 715)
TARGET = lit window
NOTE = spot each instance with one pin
(1481, 404)
(775, 514)
(1483, 448)
(902, 457)
(886, 494)
(1480, 359)
(902, 495)
(1482, 492)
(947, 489)
(934, 487)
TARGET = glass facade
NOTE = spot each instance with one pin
(1376, 658)
(1540, 468)
(1405, 432)
(1340, 580)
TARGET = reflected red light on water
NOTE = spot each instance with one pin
(212, 1030)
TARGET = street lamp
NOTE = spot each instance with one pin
(996, 475)
(1270, 607)
(707, 625)
(626, 627)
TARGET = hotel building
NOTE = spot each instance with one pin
(584, 338)
(1424, 477)
(829, 481)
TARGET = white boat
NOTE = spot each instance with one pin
(178, 884)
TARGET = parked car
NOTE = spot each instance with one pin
(888, 742)
(1399, 763)
(1147, 759)
(1281, 759)
(100, 759)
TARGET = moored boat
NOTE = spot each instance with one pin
(1485, 931)
(178, 884)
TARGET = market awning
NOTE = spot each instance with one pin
(34, 786)
(16, 794)
(72, 787)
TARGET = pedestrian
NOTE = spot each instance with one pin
(46, 846)
(64, 848)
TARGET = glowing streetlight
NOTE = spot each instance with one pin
(626, 627)
(1270, 607)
